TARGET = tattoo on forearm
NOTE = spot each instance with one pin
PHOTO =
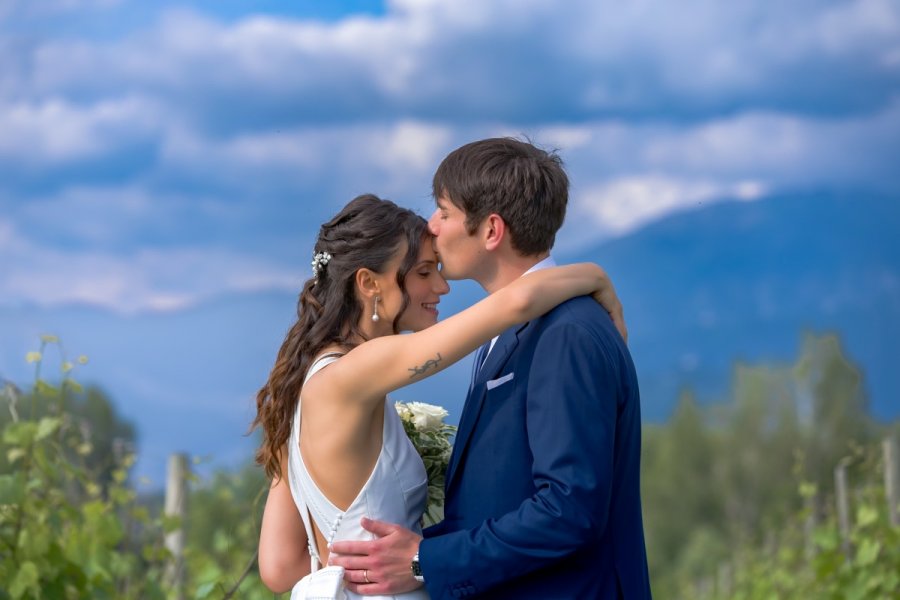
(431, 364)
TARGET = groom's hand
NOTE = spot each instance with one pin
(380, 566)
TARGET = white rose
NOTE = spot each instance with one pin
(426, 417)
(403, 411)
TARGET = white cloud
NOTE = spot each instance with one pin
(497, 60)
(850, 25)
(246, 152)
(56, 130)
(572, 138)
(787, 148)
(655, 107)
(147, 280)
(390, 157)
(629, 175)
(113, 256)
(147, 277)
(411, 145)
(624, 204)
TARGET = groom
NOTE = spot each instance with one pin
(542, 490)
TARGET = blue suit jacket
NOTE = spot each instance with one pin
(543, 492)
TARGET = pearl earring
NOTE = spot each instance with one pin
(375, 317)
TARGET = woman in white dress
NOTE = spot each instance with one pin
(376, 274)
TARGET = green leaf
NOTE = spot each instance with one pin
(12, 488)
(867, 552)
(866, 515)
(103, 524)
(14, 454)
(807, 489)
(26, 579)
(203, 591)
(221, 541)
(858, 589)
(47, 426)
(121, 495)
(826, 539)
(119, 475)
(892, 581)
(43, 388)
(20, 434)
(35, 541)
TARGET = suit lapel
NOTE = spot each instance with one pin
(498, 356)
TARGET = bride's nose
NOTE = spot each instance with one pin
(441, 287)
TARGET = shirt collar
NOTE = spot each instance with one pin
(544, 264)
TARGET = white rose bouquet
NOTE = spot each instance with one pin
(424, 424)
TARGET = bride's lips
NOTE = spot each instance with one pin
(431, 307)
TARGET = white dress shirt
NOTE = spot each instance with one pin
(543, 264)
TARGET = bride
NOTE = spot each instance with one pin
(375, 274)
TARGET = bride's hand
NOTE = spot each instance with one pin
(606, 296)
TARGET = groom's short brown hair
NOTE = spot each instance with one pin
(525, 185)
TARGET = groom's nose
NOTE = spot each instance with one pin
(433, 223)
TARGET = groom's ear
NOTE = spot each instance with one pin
(494, 231)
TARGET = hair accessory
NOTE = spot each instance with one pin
(375, 317)
(319, 261)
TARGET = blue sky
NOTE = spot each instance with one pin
(156, 156)
(153, 155)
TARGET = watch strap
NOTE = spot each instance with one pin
(417, 569)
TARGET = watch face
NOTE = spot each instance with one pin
(417, 569)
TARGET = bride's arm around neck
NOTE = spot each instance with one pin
(384, 364)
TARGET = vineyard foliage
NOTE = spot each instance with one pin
(72, 525)
(738, 495)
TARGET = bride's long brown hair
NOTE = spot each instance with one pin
(366, 234)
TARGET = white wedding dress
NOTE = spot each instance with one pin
(395, 491)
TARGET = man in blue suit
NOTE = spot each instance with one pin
(542, 491)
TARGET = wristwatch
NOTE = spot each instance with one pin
(417, 569)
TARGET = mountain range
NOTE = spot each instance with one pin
(742, 281)
(728, 282)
